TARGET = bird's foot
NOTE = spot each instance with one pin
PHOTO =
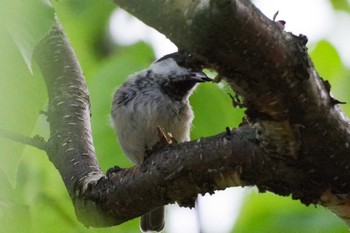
(113, 170)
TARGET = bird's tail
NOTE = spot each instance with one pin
(153, 220)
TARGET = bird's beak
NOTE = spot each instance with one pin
(200, 77)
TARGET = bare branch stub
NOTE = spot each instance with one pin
(36, 141)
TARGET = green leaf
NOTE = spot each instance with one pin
(330, 67)
(213, 111)
(21, 99)
(91, 42)
(341, 5)
(28, 22)
(269, 213)
(14, 217)
(327, 60)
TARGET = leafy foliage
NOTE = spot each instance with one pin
(268, 213)
(23, 20)
(341, 5)
(22, 94)
(330, 66)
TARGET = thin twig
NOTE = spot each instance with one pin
(36, 141)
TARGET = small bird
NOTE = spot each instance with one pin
(157, 97)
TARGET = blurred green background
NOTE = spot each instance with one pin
(32, 195)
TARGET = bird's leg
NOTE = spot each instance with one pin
(165, 138)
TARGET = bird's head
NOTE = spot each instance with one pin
(178, 73)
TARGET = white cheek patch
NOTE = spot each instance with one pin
(168, 66)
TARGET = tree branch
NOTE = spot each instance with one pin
(70, 145)
(287, 102)
(288, 105)
(36, 141)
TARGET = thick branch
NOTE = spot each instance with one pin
(267, 66)
(70, 145)
(286, 100)
(98, 200)
(177, 173)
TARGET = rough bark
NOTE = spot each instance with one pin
(286, 99)
(282, 149)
